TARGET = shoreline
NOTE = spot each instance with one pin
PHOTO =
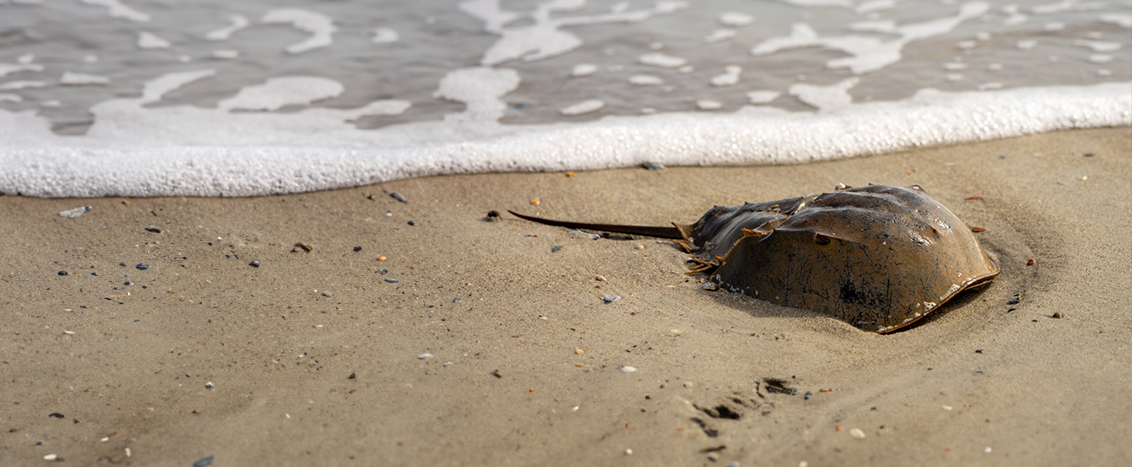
(502, 381)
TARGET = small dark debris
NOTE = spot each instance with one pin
(454, 300)
(610, 299)
(398, 197)
(1011, 309)
(496, 374)
(128, 283)
(556, 248)
(653, 165)
(94, 274)
(153, 229)
(492, 216)
(357, 249)
(56, 415)
(1056, 315)
(383, 272)
(203, 462)
(712, 433)
(775, 385)
(62, 273)
(980, 372)
(142, 267)
(714, 449)
(979, 351)
(1002, 157)
(302, 246)
(75, 420)
(1089, 154)
(808, 395)
(254, 264)
(122, 264)
(721, 411)
(412, 223)
(1013, 300)
(353, 376)
(390, 280)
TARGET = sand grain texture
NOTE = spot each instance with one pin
(1051, 391)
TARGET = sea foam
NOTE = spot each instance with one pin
(237, 107)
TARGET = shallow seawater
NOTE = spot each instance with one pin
(107, 97)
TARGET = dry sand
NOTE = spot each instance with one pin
(523, 369)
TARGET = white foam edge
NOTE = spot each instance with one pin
(46, 165)
(320, 26)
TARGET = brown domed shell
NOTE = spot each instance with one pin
(877, 257)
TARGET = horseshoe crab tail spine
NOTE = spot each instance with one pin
(660, 232)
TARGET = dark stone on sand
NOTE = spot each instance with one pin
(62, 273)
(143, 267)
(398, 197)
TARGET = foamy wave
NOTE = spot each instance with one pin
(35, 162)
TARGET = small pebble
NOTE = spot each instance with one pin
(1089, 154)
(208, 385)
(383, 272)
(143, 267)
(390, 280)
(592, 236)
(203, 462)
(1012, 301)
(424, 356)
(713, 457)
(398, 197)
(357, 249)
(121, 264)
(153, 229)
(599, 278)
(610, 299)
(980, 372)
(808, 395)
(628, 452)
(62, 273)
(326, 294)
(1056, 315)
(50, 457)
(987, 450)
(56, 415)
(76, 212)
(381, 258)
(979, 351)
(654, 166)
(254, 264)
(857, 433)
(556, 248)
(1031, 262)
(412, 223)
(628, 369)
(640, 247)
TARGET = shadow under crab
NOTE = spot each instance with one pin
(877, 257)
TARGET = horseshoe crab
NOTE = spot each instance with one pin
(878, 257)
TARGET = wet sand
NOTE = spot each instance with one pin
(493, 349)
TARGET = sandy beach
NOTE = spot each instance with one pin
(477, 342)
